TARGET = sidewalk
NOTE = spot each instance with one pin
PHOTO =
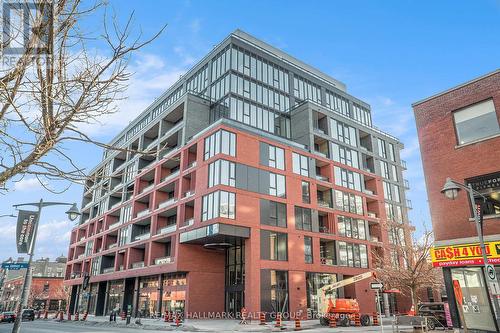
(221, 325)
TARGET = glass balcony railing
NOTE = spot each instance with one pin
(167, 203)
(138, 264)
(163, 260)
(168, 229)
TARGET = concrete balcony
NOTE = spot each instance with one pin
(143, 213)
(188, 222)
(170, 176)
(138, 264)
(372, 215)
(324, 203)
(320, 154)
(142, 237)
(167, 203)
(81, 256)
(110, 246)
(369, 192)
(189, 194)
(168, 229)
(164, 260)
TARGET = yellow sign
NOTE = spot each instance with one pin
(465, 254)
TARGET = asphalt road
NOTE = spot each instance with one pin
(39, 326)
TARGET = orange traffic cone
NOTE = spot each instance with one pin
(297, 325)
(77, 316)
(278, 320)
(332, 321)
(357, 322)
(69, 316)
(262, 318)
(167, 316)
(85, 314)
(178, 320)
(375, 319)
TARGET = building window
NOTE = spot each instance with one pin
(303, 218)
(353, 228)
(347, 178)
(314, 282)
(327, 252)
(345, 156)
(489, 186)
(306, 195)
(387, 191)
(308, 252)
(277, 185)
(349, 202)
(276, 157)
(274, 291)
(476, 122)
(343, 132)
(394, 213)
(220, 142)
(384, 169)
(353, 255)
(396, 236)
(381, 148)
(394, 173)
(273, 245)
(222, 172)
(272, 213)
(392, 152)
(218, 204)
(46, 287)
(300, 164)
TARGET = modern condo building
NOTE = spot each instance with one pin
(264, 181)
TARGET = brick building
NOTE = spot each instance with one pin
(47, 289)
(459, 137)
(267, 181)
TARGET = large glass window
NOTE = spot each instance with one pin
(300, 164)
(337, 103)
(350, 227)
(277, 185)
(221, 172)
(348, 202)
(276, 157)
(384, 169)
(306, 193)
(306, 90)
(115, 295)
(218, 204)
(345, 155)
(308, 252)
(353, 255)
(314, 282)
(392, 152)
(381, 148)
(148, 296)
(303, 218)
(476, 122)
(272, 213)
(274, 291)
(347, 178)
(220, 142)
(273, 245)
(174, 292)
(343, 132)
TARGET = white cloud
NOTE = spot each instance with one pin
(195, 26)
(26, 184)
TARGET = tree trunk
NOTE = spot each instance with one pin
(414, 298)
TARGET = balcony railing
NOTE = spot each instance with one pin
(319, 130)
(321, 154)
(188, 194)
(408, 204)
(324, 203)
(143, 236)
(147, 188)
(322, 178)
(170, 176)
(163, 260)
(168, 229)
(114, 225)
(81, 256)
(116, 205)
(327, 261)
(188, 222)
(143, 213)
(403, 164)
(82, 238)
(372, 215)
(406, 184)
(192, 165)
(167, 203)
(108, 270)
(110, 246)
(366, 191)
(138, 264)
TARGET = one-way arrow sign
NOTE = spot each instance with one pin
(376, 285)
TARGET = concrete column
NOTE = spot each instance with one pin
(135, 299)
(387, 310)
(160, 294)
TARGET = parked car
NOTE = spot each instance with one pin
(7, 317)
(435, 313)
(28, 314)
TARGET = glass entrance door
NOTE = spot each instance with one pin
(475, 306)
(235, 278)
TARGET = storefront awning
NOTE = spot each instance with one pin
(217, 233)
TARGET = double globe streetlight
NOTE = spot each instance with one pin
(450, 190)
(73, 214)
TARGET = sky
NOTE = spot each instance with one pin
(388, 53)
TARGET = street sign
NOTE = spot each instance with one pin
(495, 288)
(490, 273)
(376, 285)
(14, 266)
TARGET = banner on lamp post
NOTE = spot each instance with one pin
(26, 224)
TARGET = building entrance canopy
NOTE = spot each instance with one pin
(217, 233)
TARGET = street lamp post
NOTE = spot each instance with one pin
(72, 213)
(450, 190)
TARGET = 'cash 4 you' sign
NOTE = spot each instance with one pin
(465, 254)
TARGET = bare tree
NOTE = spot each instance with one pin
(57, 84)
(405, 264)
